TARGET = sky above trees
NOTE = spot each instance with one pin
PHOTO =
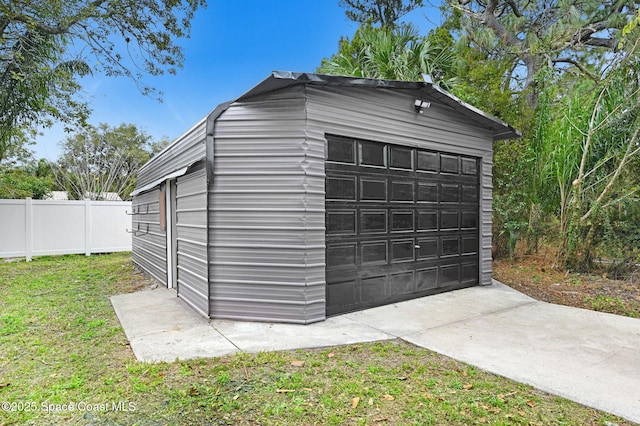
(233, 46)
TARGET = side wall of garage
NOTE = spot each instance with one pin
(388, 116)
(152, 216)
(149, 241)
(266, 212)
(191, 238)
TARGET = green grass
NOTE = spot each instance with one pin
(65, 360)
(614, 305)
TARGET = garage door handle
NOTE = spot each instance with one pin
(416, 246)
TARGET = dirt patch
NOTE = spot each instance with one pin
(536, 276)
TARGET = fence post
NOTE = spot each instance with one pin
(87, 228)
(28, 229)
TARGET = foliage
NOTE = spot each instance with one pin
(392, 54)
(570, 36)
(34, 179)
(387, 13)
(61, 343)
(29, 181)
(587, 149)
(104, 159)
(45, 46)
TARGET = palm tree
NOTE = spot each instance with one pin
(392, 54)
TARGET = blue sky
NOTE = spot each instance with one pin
(234, 45)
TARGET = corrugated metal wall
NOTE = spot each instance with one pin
(149, 250)
(266, 213)
(186, 150)
(389, 116)
(191, 228)
(149, 241)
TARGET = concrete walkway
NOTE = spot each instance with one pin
(589, 357)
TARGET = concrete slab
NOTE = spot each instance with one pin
(585, 356)
(402, 319)
(161, 327)
(256, 337)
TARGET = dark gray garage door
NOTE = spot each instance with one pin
(401, 223)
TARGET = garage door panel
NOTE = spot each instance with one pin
(402, 221)
(373, 189)
(341, 222)
(341, 188)
(401, 191)
(342, 255)
(427, 278)
(402, 250)
(374, 253)
(404, 225)
(373, 221)
(449, 220)
(373, 289)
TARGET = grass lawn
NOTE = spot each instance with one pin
(64, 359)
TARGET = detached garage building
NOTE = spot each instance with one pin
(314, 195)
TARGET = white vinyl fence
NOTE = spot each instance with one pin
(47, 227)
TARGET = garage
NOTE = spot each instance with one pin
(401, 223)
(314, 195)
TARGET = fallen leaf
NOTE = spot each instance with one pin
(355, 401)
(464, 413)
(467, 387)
(388, 397)
(297, 363)
(370, 401)
(330, 355)
(4, 385)
(381, 419)
(522, 413)
(284, 390)
(482, 419)
(530, 403)
(236, 396)
(465, 374)
(428, 395)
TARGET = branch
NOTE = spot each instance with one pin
(577, 64)
(584, 35)
(61, 27)
(514, 8)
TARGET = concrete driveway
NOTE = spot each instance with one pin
(589, 357)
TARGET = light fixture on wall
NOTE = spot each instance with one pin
(420, 106)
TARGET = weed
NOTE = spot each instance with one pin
(614, 305)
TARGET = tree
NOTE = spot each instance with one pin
(568, 36)
(104, 159)
(387, 13)
(34, 180)
(46, 45)
(589, 149)
(393, 54)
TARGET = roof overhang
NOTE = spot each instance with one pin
(281, 79)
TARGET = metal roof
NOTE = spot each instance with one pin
(282, 79)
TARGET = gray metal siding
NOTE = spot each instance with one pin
(388, 116)
(191, 229)
(186, 150)
(266, 213)
(149, 241)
